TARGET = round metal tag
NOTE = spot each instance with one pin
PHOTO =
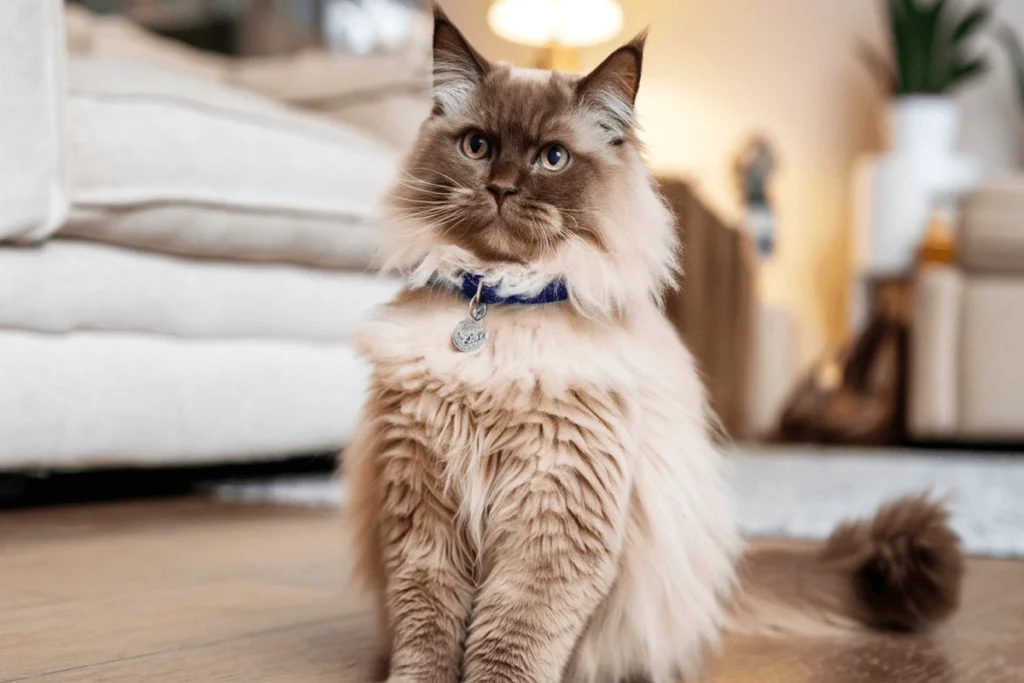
(469, 336)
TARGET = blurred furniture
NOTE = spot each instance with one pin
(236, 27)
(856, 395)
(385, 95)
(180, 261)
(967, 340)
(716, 309)
(182, 255)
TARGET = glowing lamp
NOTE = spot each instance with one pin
(557, 27)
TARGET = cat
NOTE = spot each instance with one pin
(537, 497)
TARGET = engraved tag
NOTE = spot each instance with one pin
(469, 336)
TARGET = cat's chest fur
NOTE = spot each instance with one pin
(549, 393)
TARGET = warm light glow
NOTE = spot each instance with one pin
(572, 23)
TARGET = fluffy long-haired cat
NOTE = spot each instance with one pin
(534, 494)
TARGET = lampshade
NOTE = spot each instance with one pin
(572, 23)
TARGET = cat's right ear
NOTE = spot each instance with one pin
(458, 68)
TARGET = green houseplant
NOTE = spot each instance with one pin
(930, 47)
(928, 57)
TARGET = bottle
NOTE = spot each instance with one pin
(939, 243)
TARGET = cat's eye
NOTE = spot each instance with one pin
(475, 145)
(554, 157)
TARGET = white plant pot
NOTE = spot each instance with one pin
(894, 191)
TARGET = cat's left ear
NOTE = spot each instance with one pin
(613, 85)
(458, 67)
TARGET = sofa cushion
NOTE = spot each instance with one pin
(933, 382)
(33, 187)
(316, 75)
(394, 117)
(388, 96)
(67, 285)
(164, 160)
(991, 235)
(991, 373)
(89, 399)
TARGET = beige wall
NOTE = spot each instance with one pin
(717, 70)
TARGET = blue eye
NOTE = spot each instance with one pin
(554, 157)
(475, 145)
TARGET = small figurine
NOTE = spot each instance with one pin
(754, 166)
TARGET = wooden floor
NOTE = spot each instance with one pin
(192, 591)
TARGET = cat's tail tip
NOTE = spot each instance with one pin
(905, 564)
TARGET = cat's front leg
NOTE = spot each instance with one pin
(428, 586)
(552, 559)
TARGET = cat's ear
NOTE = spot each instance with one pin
(612, 86)
(458, 68)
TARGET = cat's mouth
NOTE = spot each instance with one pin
(508, 234)
(519, 229)
(524, 224)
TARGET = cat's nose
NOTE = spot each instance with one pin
(500, 191)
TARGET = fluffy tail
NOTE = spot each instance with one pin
(901, 570)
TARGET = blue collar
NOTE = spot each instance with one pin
(554, 292)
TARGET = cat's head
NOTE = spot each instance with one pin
(527, 176)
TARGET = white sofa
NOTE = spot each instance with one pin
(180, 262)
(966, 373)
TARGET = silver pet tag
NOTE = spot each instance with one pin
(469, 336)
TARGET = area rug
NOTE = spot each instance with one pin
(804, 493)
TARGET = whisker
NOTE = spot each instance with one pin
(454, 183)
(430, 214)
(415, 200)
(425, 190)
(454, 224)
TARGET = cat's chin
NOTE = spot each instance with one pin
(513, 241)
(498, 238)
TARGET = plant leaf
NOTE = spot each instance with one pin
(899, 11)
(971, 22)
(963, 71)
(914, 43)
(932, 43)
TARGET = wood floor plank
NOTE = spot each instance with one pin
(189, 590)
(84, 632)
(334, 650)
(12, 599)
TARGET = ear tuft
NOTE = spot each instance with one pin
(612, 86)
(458, 68)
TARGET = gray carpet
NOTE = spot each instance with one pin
(803, 493)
